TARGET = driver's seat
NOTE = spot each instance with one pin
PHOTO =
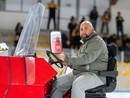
(110, 74)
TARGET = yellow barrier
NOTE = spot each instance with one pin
(124, 64)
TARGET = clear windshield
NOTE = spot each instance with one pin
(30, 33)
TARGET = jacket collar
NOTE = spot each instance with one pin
(90, 36)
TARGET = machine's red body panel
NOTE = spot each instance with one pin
(24, 77)
(4, 76)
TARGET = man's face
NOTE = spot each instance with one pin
(85, 30)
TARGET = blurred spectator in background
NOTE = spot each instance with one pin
(126, 48)
(76, 37)
(119, 25)
(77, 40)
(18, 30)
(112, 39)
(105, 21)
(83, 19)
(65, 40)
(39, 1)
(71, 26)
(105, 38)
(126, 42)
(94, 16)
(52, 13)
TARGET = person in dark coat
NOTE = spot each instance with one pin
(52, 13)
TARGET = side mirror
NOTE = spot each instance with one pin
(56, 42)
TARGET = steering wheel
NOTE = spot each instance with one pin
(53, 59)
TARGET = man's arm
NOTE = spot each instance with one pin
(92, 52)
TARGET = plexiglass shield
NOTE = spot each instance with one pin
(30, 33)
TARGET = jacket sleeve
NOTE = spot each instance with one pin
(92, 52)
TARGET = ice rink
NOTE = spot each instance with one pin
(119, 94)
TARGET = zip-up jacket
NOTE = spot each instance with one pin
(92, 56)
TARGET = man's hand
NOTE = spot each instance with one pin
(62, 57)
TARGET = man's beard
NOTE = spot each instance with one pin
(83, 37)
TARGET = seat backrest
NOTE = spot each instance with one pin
(110, 74)
(111, 81)
(111, 50)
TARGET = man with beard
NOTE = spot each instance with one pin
(92, 56)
